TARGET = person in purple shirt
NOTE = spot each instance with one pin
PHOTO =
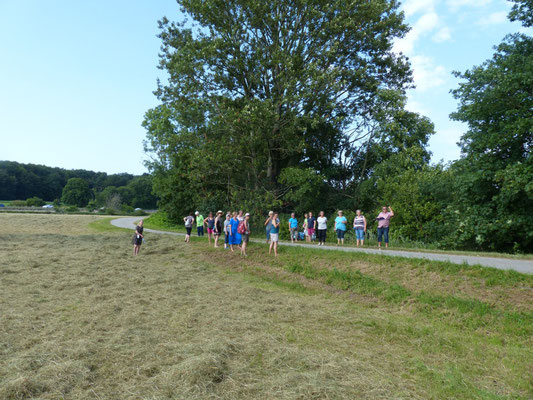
(383, 225)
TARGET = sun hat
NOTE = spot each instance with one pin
(197, 213)
(247, 214)
(220, 212)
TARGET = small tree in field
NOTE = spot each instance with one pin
(76, 193)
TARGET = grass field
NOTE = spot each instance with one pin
(80, 318)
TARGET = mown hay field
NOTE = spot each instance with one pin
(81, 318)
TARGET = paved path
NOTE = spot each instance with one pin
(523, 266)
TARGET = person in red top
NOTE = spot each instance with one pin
(383, 225)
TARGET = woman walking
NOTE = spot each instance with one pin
(340, 227)
(274, 235)
(311, 227)
(359, 225)
(322, 228)
(138, 237)
(246, 234)
(210, 222)
(218, 227)
(268, 225)
(189, 220)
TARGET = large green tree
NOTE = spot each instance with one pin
(494, 193)
(255, 87)
(76, 192)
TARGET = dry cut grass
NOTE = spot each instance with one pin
(80, 318)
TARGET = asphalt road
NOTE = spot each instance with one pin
(523, 266)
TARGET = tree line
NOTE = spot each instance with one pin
(300, 105)
(74, 187)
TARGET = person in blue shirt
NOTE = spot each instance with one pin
(340, 227)
(233, 226)
(274, 235)
(293, 227)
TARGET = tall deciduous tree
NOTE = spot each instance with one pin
(260, 86)
(494, 190)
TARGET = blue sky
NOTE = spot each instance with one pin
(76, 77)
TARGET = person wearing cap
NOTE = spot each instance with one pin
(199, 223)
(246, 234)
(218, 227)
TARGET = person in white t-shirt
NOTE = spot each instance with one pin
(322, 225)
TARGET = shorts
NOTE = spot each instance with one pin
(310, 232)
(383, 232)
(360, 234)
(209, 230)
(274, 237)
(137, 240)
(340, 234)
(245, 237)
(306, 233)
(188, 229)
(294, 233)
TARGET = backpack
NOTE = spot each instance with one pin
(241, 228)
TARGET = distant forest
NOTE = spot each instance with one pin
(22, 181)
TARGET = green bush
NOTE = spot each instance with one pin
(126, 209)
(35, 202)
(72, 209)
(18, 203)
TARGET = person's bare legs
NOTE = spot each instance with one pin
(134, 249)
(216, 240)
(270, 248)
(276, 249)
(243, 249)
(209, 238)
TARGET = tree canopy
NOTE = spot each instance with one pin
(258, 89)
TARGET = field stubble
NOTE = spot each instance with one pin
(81, 318)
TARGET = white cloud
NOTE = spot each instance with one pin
(495, 18)
(444, 34)
(426, 74)
(455, 5)
(425, 24)
(414, 6)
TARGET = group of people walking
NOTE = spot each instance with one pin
(236, 228)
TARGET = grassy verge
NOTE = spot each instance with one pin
(160, 222)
